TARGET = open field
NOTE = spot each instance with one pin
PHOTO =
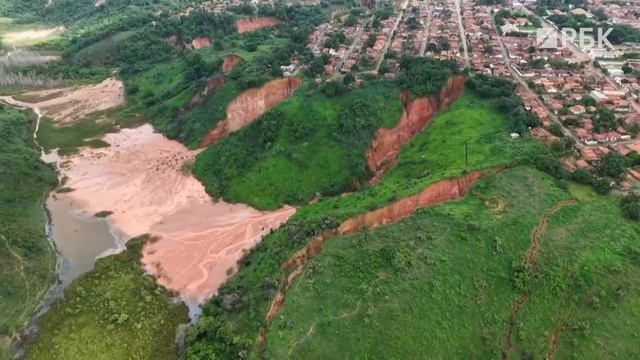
(24, 35)
(112, 312)
(26, 259)
(443, 283)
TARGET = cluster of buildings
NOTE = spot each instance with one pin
(342, 57)
(484, 46)
(444, 37)
(563, 86)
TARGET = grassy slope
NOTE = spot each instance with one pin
(440, 283)
(26, 259)
(294, 167)
(291, 171)
(435, 154)
(589, 287)
(468, 117)
(112, 312)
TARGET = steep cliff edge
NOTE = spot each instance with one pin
(230, 62)
(249, 105)
(417, 114)
(444, 190)
(250, 24)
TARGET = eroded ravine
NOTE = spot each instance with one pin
(530, 259)
(249, 105)
(417, 114)
(255, 23)
(441, 191)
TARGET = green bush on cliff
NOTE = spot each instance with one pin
(423, 75)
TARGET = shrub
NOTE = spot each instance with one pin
(631, 207)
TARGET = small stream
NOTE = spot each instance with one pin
(78, 238)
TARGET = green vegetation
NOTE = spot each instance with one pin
(503, 93)
(26, 259)
(424, 76)
(309, 143)
(238, 312)
(112, 312)
(443, 282)
(437, 284)
(68, 138)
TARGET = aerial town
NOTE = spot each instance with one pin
(567, 83)
(313, 179)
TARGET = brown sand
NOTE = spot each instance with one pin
(69, 105)
(140, 178)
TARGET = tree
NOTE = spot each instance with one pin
(196, 67)
(600, 14)
(631, 207)
(604, 121)
(612, 165)
(627, 69)
(603, 186)
(317, 66)
(371, 40)
(556, 130)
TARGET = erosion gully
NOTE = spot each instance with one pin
(436, 193)
(530, 259)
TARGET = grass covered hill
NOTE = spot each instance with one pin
(309, 143)
(315, 142)
(445, 282)
(232, 320)
(27, 260)
(113, 312)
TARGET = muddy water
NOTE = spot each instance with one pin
(80, 238)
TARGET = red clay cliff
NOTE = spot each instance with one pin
(250, 24)
(249, 105)
(417, 114)
(230, 62)
(441, 191)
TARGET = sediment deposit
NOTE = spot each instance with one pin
(142, 178)
(68, 105)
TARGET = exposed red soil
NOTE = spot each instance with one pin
(249, 105)
(530, 260)
(444, 190)
(200, 42)
(230, 62)
(417, 114)
(555, 342)
(250, 24)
